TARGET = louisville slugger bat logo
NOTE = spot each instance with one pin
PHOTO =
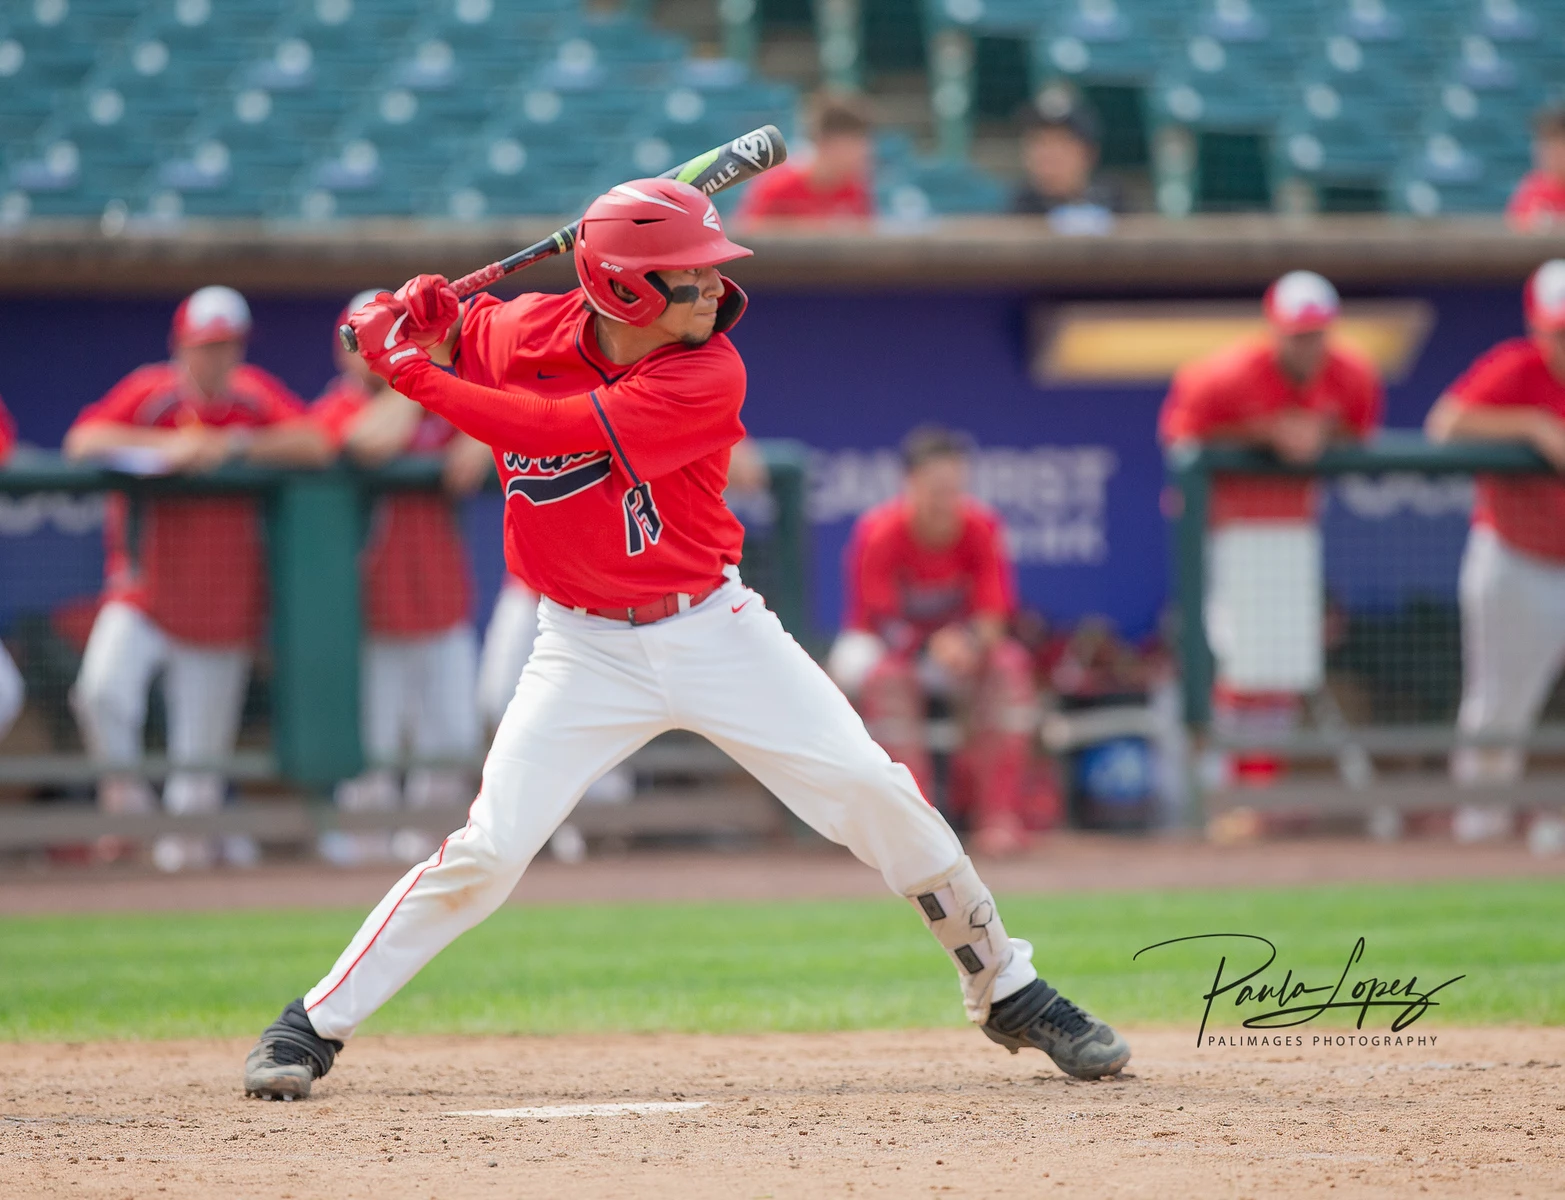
(755, 148)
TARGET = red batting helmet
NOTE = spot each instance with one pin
(1545, 297)
(1301, 302)
(643, 226)
(210, 314)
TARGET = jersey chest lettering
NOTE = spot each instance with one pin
(555, 477)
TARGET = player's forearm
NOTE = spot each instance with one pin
(515, 421)
(299, 443)
(97, 438)
(1451, 420)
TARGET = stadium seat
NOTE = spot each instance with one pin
(915, 190)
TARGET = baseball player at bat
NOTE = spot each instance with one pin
(1512, 583)
(611, 411)
(419, 661)
(11, 690)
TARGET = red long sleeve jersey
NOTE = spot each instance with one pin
(7, 433)
(613, 474)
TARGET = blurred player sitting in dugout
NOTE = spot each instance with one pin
(419, 661)
(835, 178)
(929, 595)
(185, 586)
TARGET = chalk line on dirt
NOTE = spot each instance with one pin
(547, 1111)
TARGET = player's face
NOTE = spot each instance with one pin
(211, 364)
(934, 491)
(1301, 354)
(1553, 346)
(843, 156)
(1549, 154)
(1058, 162)
(692, 308)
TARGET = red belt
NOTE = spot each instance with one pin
(655, 610)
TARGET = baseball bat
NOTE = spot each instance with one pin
(716, 170)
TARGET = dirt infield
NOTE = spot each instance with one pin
(1476, 1113)
(1065, 862)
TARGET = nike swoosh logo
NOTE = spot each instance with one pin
(394, 334)
(541, 375)
(737, 607)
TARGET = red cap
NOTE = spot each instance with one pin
(210, 314)
(1544, 299)
(643, 226)
(1301, 302)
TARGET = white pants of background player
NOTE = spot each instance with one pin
(595, 690)
(11, 693)
(1513, 646)
(203, 692)
(416, 700)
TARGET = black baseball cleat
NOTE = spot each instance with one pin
(1038, 1016)
(289, 1057)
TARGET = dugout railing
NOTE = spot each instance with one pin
(1393, 516)
(299, 736)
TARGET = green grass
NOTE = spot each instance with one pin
(780, 966)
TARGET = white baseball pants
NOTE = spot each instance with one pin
(593, 691)
(1513, 647)
(11, 692)
(203, 689)
(415, 700)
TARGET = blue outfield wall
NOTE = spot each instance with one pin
(1075, 469)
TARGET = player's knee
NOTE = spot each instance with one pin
(101, 702)
(11, 693)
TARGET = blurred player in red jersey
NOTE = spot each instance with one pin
(1539, 200)
(1512, 584)
(836, 180)
(11, 690)
(185, 579)
(1292, 393)
(930, 592)
(612, 411)
(419, 661)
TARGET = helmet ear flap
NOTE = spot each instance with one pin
(731, 307)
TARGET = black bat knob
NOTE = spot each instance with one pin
(349, 339)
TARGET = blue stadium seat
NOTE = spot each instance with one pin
(614, 51)
(1101, 40)
(1011, 18)
(917, 190)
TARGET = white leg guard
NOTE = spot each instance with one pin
(960, 912)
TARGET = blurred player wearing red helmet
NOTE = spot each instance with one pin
(612, 434)
(930, 593)
(419, 657)
(185, 582)
(1512, 584)
(11, 690)
(1292, 392)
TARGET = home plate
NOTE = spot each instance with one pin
(585, 1110)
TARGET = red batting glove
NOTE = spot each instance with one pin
(432, 308)
(381, 327)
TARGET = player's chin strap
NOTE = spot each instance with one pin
(960, 912)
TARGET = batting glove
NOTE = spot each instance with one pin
(381, 327)
(432, 308)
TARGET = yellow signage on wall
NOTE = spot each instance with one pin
(1148, 342)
